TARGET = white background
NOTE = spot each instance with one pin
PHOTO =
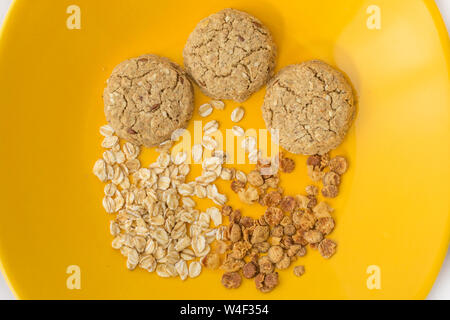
(441, 288)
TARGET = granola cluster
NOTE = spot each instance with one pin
(329, 171)
(257, 248)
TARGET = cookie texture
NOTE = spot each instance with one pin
(311, 104)
(147, 98)
(230, 55)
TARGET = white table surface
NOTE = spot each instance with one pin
(441, 288)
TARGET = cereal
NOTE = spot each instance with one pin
(260, 234)
(262, 247)
(231, 280)
(231, 265)
(240, 249)
(273, 216)
(226, 210)
(275, 254)
(299, 271)
(331, 178)
(312, 190)
(272, 198)
(313, 236)
(325, 225)
(265, 265)
(330, 191)
(226, 174)
(237, 186)
(235, 233)
(287, 165)
(255, 178)
(288, 204)
(289, 230)
(266, 282)
(249, 195)
(338, 164)
(250, 270)
(284, 262)
(237, 114)
(211, 261)
(327, 248)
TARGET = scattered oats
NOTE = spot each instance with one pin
(109, 157)
(254, 155)
(211, 164)
(237, 114)
(161, 270)
(110, 189)
(206, 178)
(133, 259)
(148, 263)
(176, 134)
(106, 130)
(200, 191)
(186, 189)
(131, 151)
(197, 151)
(110, 141)
(217, 104)
(180, 158)
(238, 131)
(194, 269)
(133, 165)
(165, 146)
(120, 157)
(209, 143)
(188, 203)
(215, 215)
(119, 201)
(114, 228)
(219, 199)
(211, 127)
(205, 110)
(187, 254)
(100, 170)
(222, 155)
(248, 144)
(163, 160)
(163, 183)
(182, 269)
(109, 204)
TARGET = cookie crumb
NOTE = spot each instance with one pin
(327, 248)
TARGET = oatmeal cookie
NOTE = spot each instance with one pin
(311, 104)
(230, 55)
(147, 98)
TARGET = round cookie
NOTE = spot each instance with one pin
(230, 55)
(311, 104)
(147, 98)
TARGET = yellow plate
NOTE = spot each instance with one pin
(393, 211)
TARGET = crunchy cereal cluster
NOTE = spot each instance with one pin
(256, 248)
(331, 179)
